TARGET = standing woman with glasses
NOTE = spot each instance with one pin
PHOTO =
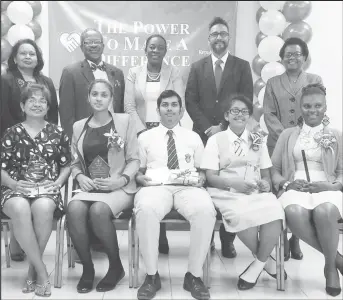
(281, 107)
(144, 84)
(237, 165)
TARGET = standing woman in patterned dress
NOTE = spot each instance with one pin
(34, 153)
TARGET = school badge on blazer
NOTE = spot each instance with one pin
(188, 158)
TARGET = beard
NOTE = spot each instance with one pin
(219, 47)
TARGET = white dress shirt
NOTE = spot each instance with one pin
(98, 74)
(153, 147)
(222, 64)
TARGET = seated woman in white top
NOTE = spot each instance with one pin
(237, 171)
(312, 200)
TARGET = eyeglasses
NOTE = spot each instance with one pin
(89, 43)
(295, 55)
(34, 101)
(236, 111)
(223, 34)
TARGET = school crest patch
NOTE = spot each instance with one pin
(188, 158)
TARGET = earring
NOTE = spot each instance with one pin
(326, 120)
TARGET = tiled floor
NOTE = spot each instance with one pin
(305, 278)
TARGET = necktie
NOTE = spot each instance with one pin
(218, 73)
(238, 148)
(101, 67)
(173, 162)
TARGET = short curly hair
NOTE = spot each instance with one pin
(12, 66)
(312, 89)
(295, 41)
(218, 20)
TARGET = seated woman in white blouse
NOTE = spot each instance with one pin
(237, 171)
(312, 201)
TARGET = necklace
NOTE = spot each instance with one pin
(292, 80)
(153, 76)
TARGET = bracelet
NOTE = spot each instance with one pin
(127, 179)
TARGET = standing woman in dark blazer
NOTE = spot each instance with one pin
(281, 106)
(24, 67)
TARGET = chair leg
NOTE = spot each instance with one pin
(6, 228)
(57, 252)
(206, 269)
(136, 259)
(129, 233)
(69, 250)
(61, 252)
(280, 274)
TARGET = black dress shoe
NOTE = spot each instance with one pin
(332, 291)
(245, 285)
(275, 275)
(85, 285)
(151, 285)
(163, 247)
(108, 283)
(196, 287)
(228, 250)
(295, 249)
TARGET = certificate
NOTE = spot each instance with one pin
(173, 177)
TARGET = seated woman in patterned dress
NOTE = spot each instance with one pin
(312, 200)
(237, 171)
(105, 162)
(35, 155)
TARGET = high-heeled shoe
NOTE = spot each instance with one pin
(340, 268)
(43, 290)
(295, 253)
(29, 287)
(245, 285)
(332, 291)
(275, 275)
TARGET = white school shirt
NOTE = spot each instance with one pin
(222, 64)
(153, 147)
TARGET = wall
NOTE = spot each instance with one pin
(325, 46)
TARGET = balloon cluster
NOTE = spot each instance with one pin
(18, 22)
(277, 21)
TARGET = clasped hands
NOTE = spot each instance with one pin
(104, 184)
(247, 187)
(25, 187)
(213, 130)
(301, 185)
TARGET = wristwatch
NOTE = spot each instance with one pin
(285, 185)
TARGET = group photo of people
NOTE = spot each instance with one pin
(118, 143)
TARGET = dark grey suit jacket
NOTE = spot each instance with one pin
(203, 103)
(73, 92)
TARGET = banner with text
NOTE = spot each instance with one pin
(126, 25)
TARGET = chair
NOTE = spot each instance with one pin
(172, 218)
(279, 249)
(122, 222)
(60, 223)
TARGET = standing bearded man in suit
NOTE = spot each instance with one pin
(212, 80)
(76, 78)
(74, 84)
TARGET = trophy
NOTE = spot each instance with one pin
(36, 172)
(99, 168)
(252, 173)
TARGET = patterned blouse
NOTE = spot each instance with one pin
(51, 146)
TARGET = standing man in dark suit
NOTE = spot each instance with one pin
(75, 79)
(211, 81)
(74, 83)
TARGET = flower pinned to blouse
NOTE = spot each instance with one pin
(114, 140)
(257, 136)
(21, 82)
(325, 140)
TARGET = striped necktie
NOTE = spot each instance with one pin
(173, 162)
(238, 148)
(218, 73)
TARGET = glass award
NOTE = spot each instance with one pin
(252, 173)
(36, 172)
(99, 168)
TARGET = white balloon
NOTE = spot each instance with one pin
(272, 22)
(269, 48)
(272, 69)
(277, 5)
(18, 32)
(20, 12)
(261, 96)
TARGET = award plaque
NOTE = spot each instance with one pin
(36, 172)
(99, 168)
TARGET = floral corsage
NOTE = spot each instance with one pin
(114, 140)
(257, 136)
(325, 140)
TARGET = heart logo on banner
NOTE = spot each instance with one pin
(70, 41)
